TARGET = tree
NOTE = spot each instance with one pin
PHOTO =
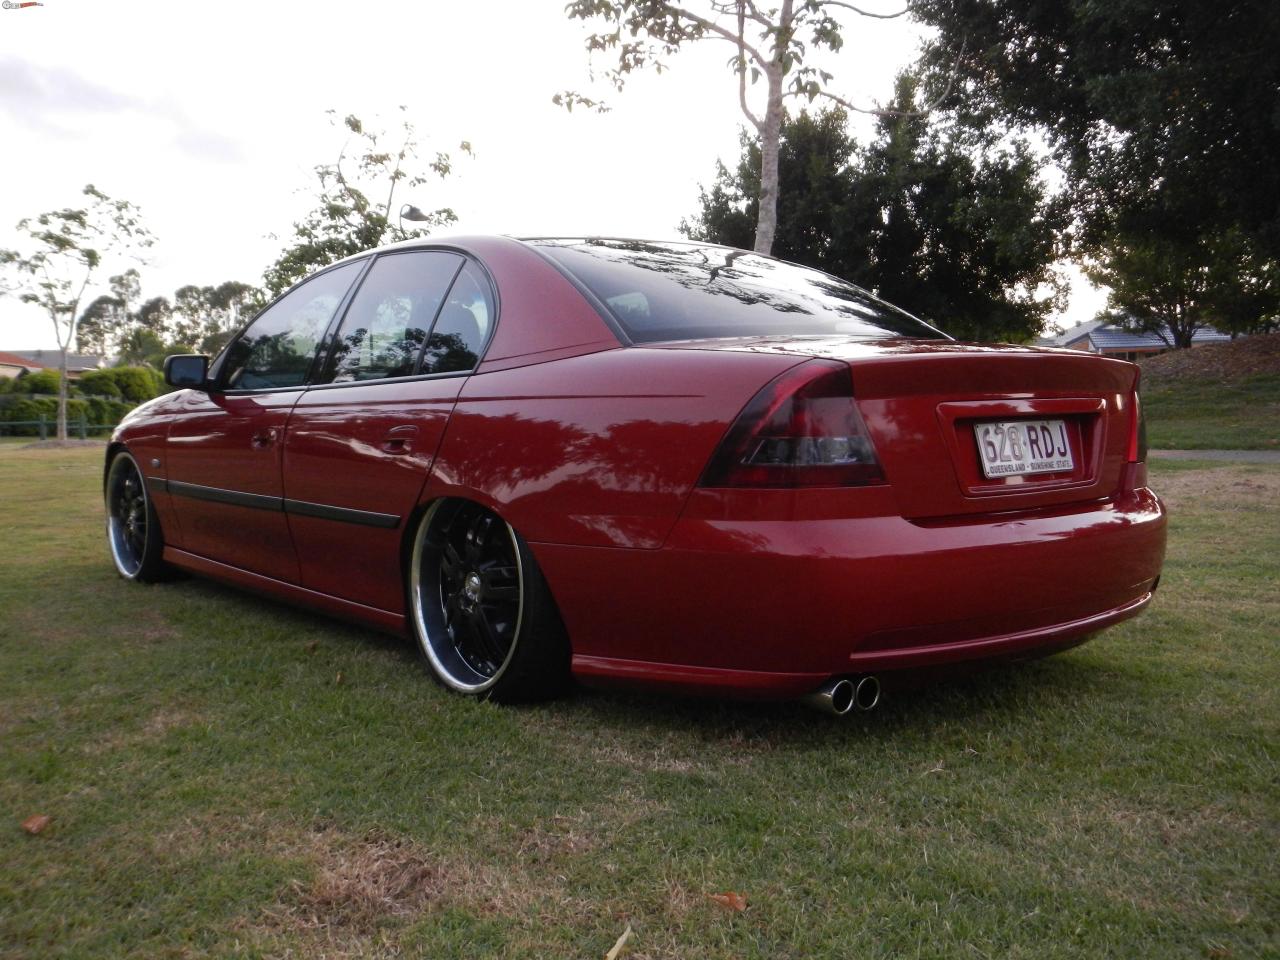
(65, 250)
(205, 317)
(957, 228)
(1163, 116)
(768, 44)
(1174, 287)
(100, 324)
(345, 219)
(142, 346)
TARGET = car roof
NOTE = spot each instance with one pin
(466, 243)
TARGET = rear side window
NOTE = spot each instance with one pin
(390, 317)
(691, 291)
(463, 325)
(277, 349)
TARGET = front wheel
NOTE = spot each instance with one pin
(483, 616)
(133, 531)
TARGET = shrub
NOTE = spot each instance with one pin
(42, 381)
(135, 383)
(99, 383)
(34, 407)
(105, 410)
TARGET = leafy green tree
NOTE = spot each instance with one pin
(100, 324)
(154, 315)
(1164, 117)
(769, 46)
(356, 204)
(142, 345)
(1175, 286)
(205, 317)
(64, 250)
(958, 229)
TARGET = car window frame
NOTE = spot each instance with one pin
(467, 258)
(216, 371)
(322, 367)
(321, 360)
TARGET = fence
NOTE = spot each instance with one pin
(47, 426)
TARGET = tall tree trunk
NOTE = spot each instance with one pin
(767, 219)
(62, 395)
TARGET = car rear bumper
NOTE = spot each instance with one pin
(774, 607)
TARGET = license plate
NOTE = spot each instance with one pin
(1010, 447)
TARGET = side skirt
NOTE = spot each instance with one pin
(374, 617)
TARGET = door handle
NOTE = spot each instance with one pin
(263, 438)
(400, 439)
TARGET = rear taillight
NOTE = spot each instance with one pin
(1137, 430)
(802, 430)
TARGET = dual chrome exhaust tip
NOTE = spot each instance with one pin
(844, 695)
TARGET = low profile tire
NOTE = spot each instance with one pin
(133, 531)
(483, 617)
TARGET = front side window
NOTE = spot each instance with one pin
(463, 325)
(277, 349)
(387, 324)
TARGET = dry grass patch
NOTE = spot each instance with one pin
(1226, 488)
(360, 885)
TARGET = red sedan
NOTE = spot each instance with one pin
(671, 464)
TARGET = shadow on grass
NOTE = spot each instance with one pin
(999, 693)
(996, 694)
(308, 622)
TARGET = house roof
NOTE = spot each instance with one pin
(1105, 336)
(14, 360)
(37, 359)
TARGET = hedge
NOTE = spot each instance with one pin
(95, 411)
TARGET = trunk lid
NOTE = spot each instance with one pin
(926, 402)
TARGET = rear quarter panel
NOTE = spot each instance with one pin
(595, 450)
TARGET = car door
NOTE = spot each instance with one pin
(224, 447)
(361, 441)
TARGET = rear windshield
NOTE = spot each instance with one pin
(691, 291)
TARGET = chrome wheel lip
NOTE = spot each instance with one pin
(117, 530)
(424, 635)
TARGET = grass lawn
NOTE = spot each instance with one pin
(1193, 414)
(229, 777)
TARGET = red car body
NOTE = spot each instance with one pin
(593, 451)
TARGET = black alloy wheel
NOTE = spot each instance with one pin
(133, 531)
(482, 614)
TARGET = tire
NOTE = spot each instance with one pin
(483, 617)
(133, 530)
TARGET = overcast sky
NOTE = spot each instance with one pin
(211, 116)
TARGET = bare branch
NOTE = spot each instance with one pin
(721, 32)
(395, 174)
(861, 12)
(748, 9)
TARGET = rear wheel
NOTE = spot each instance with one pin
(483, 616)
(133, 531)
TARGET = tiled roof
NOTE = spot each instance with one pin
(1105, 336)
(1113, 338)
(50, 358)
(13, 360)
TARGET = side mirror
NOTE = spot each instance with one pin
(186, 370)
